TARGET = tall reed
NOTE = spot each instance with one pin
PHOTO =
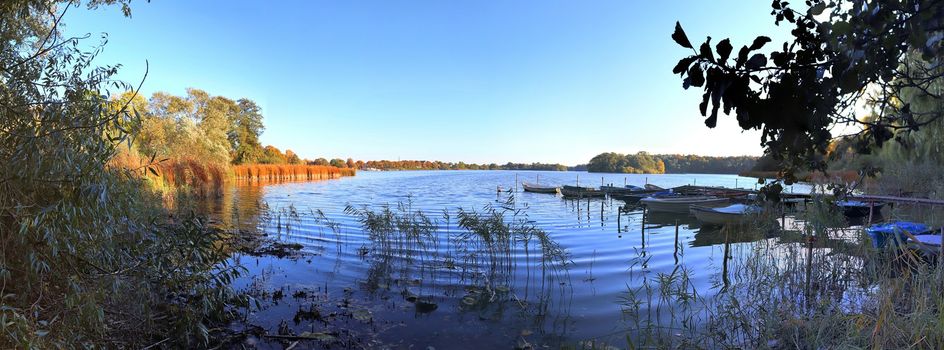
(289, 172)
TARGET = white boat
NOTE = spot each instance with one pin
(928, 244)
(732, 214)
(529, 187)
(681, 204)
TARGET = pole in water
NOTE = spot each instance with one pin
(676, 241)
(624, 181)
(735, 183)
(642, 230)
(578, 180)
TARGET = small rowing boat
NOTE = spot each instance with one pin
(732, 214)
(860, 209)
(681, 204)
(581, 192)
(529, 187)
(619, 190)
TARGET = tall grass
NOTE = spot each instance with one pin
(289, 172)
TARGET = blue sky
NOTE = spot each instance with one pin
(475, 81)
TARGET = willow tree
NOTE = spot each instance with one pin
(86, 254)
(844, 56)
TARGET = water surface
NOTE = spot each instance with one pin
(452, 289)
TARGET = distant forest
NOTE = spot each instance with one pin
(645, 163)
(438, 165)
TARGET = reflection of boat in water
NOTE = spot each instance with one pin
(719, 216)
(660, 219)
(717, 235)
(575, 191)
(680, 204)
(858, 209)
(529, 187)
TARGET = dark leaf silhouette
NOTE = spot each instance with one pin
(757, 61)
(724, 50)
(680, 37)
(759, 42)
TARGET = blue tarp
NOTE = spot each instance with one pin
(881, 233)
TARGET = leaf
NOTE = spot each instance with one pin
(742, 56)
(759, 42)
(817, 9)
(683, 64)
(705, 50)
(757, 61)
(703, 106)
(724, 50)
(697, 76)
(680, 37)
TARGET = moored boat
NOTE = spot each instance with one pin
(576, 191)
(681, 204)
(732, 214)
(625, 189)
(928, 244)
(635, 197)
(858, 209)
(894, 232)
(529, 187)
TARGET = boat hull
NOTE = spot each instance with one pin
(680, 205)
(540, 189)
(581, 192)
(709, 216)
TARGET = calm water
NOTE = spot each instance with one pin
(448, 290)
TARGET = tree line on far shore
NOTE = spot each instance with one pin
(645, 163)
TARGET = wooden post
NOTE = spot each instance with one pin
(647, 180)
(642, 230)
(619, 225)
(871, 209)
(625, 182)
(516, 183)
(735, 183)
(578, 180)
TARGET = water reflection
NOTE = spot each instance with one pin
(445, 260)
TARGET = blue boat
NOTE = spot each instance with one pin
(858, 209)
(894, 231)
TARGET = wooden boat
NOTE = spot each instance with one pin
(858, 209)
(652, 187)
(894, 232)
(681, 204)
(635, 197)
(625, 189)
(581, 192)
(529, 187)
(732, 214)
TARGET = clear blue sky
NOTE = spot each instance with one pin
(476, 81)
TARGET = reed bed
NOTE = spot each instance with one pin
(289, 172)
(203, 179)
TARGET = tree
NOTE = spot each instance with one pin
(246, 134)
(291, 157)
(337, 162)
(844, 55)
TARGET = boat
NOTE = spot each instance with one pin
(576, 191)
(681, 204)
(894, 232)
(625, 189)
(858, 209)
(529, 187)
(635, 197)
(732, 214)
(928, 244)
(652, 187)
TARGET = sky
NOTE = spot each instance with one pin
(477, 81)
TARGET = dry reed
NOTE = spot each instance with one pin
(289, 172)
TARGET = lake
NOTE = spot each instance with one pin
(430, 277)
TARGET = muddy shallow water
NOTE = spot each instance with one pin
(560, 276)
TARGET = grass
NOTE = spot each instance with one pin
(830, 289)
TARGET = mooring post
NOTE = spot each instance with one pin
(871, 210)
(516, 183)
(642, 230)
(578, 180)
(625, 182)
(619, 223)
(735, 183)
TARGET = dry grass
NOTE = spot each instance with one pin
(289, 172)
